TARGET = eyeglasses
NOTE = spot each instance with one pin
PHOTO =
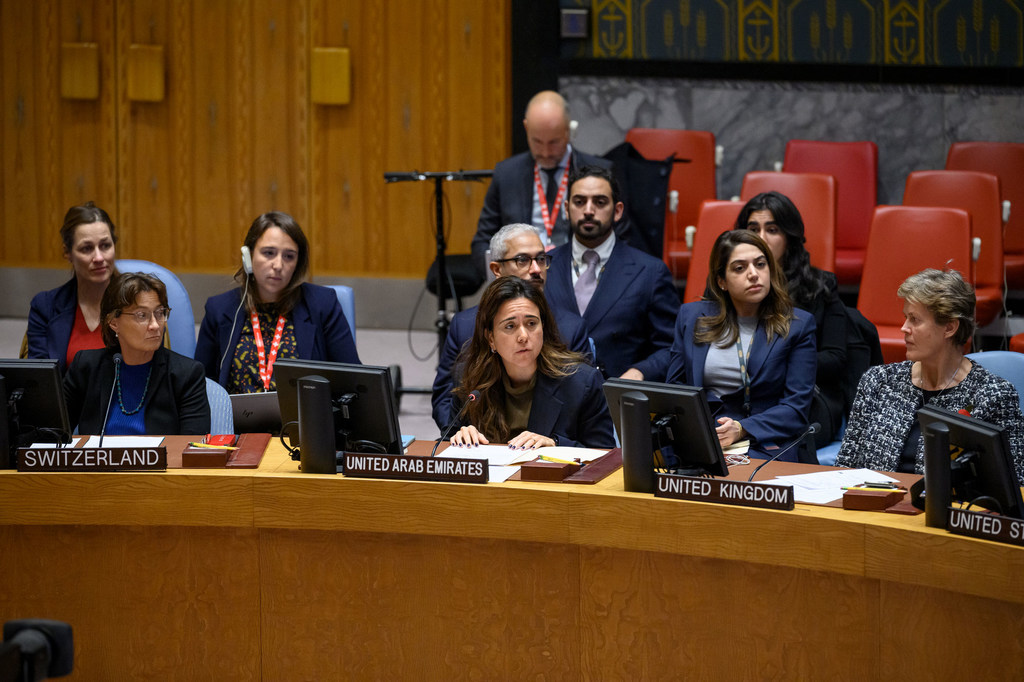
(523, 261)
(143, 316)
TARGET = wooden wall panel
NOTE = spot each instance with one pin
(236, 134)
(56, 152)
(429, 93)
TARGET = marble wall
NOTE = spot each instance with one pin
(912, 125)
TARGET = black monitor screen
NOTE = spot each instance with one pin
(682, 428)
(365, 413)
(33, 400)
(983, 471)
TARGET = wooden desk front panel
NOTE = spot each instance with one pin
(145, 603)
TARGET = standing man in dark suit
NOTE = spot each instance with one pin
(515, 250)
(531, 187)
(626, 297)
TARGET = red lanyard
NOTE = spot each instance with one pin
(549, 216)
(267, 366)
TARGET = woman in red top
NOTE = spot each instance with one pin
(65, 320)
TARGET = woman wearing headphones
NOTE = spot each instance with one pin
(273, 314)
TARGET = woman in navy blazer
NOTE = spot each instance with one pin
(273, 314)
(748, 347)
(65, 320)
(521, 385)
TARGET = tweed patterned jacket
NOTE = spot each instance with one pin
(886, 406)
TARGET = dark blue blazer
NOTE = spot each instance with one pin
(321, 330)
(176, 401)
(509, 199)
(631, 315)
(460, 331)
(50, 320)
(781, 375)
(572, 410)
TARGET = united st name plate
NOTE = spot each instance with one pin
(986, 526)
(723, 491)
(406, 467)
(93, 459)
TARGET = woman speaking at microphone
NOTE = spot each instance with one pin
(273, 314)
(533, 391)
(135, 385)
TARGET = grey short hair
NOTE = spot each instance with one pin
(946, 296)
(499, 242)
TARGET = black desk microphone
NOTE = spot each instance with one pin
(471, 398)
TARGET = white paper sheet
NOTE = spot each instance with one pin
(124, 441)
(827, 486)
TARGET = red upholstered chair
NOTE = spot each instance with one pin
(715, 218)
(978, 194)
(814, 195)
(905, 240)
(854, 165)
(693, 177)
(1006, 160)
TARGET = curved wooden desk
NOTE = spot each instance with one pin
(270, 574)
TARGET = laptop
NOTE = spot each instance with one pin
(256, 412)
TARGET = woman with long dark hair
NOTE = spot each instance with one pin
(777, 221)
(273, 313)
(747, 346)
(65, 320)
(530, 390)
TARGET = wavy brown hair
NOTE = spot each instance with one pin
(291, 293)
(775, 311)
(482, 370)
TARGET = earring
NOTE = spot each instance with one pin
(494, 350)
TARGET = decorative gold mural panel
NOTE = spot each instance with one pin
(957, 33)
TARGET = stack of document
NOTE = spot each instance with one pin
(503, 461)
(827, 486)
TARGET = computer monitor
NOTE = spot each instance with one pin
(364, 407)
(982, 471)
(665, 426)
(32, 402)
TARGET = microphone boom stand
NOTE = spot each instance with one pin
(439, 178)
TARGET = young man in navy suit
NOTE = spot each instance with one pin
(531, 187)
(625, 296)
(515, 250)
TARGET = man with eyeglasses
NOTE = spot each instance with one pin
(625, 296)
(515, 250)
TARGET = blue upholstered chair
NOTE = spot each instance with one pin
(1005, 364)
(181, 325)
(221, 419)
(347, 299)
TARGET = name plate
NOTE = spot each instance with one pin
(986, 526)
(721, 491)
(92, 459)
(411, 468)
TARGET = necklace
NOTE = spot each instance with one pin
(950, 381)
(120, 399)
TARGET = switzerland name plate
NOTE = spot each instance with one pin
(92, 459)
(722, 491)
(986, 526)
(406, 467)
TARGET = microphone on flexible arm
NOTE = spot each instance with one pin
(110, 398)
(471, 398)
(813, 428)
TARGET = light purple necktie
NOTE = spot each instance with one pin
(587, 281)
